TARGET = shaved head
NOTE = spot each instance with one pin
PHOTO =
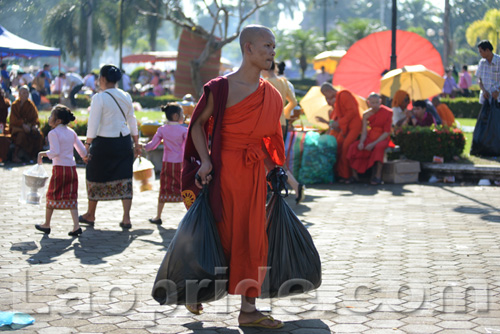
(326, 86)
(251, 32)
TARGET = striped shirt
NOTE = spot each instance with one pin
(489, 73)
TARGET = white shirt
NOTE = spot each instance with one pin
(89, 81)
(62, 140)
(73, 79)
(126, 82)
(489, 73)
(397, 115)
(322, 77)
(106, 119)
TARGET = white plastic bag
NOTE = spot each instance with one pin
(33, 185)
(144, 172)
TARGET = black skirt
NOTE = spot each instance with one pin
(109, 170)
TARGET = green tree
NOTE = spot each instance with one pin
(300, 44)
(219, 33)
(487, 28)
(65, 27)
(355, 29)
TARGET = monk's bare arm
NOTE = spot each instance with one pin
(200, 142)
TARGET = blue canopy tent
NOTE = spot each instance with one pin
(15, 46)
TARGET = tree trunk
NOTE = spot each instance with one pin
(152, 38)
(198, 63)
(446, 31)
(303, 66)
(89, 37)
(82, 37)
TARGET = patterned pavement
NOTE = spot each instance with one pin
(414, 258)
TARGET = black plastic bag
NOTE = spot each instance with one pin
(293, 261)
(486, 137)
(194, 269)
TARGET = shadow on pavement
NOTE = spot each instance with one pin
(366, 189)
(166, 237)
(314, 325)
(95, 245)
(50, 248)
(485, 210)
(92, 247)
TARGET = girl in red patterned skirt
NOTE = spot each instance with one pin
(63, 186)
(173, 134)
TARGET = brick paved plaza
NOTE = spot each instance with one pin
(414, 258)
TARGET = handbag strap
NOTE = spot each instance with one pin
(117, 105)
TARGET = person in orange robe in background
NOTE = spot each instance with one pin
(345, 124)
(370, 149)
(447, 117)
(250, 140)
(24, 127)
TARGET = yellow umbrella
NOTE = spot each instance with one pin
(328, 59)
(314, 104)
(418, 81)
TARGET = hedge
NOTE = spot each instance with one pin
(154, 101)
(423, 143)
(83, 101)
(463, 107)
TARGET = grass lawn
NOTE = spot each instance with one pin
(142, 116)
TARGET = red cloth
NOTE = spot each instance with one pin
(249, 129)
(379, 123)
(63, 188)
(346, 112)
(170, 182)
(191, 161)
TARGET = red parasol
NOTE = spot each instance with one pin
(367, 60)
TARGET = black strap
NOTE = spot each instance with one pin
(117, 105)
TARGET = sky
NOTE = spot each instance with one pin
(287, 23)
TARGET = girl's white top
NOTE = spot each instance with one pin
(62, 140)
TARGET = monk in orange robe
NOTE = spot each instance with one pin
(369, 150)
(447, 117)
(246, 141)
(24, 126)
(345, 124)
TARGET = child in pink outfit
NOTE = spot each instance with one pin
(173, 134)
(63, 186)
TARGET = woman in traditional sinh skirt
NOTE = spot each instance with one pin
(113, 139)
(63, 186)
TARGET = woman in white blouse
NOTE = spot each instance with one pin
(112, 143)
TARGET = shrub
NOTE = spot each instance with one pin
(463, 107)
(154, 101)
(82, 101)
(80, 127)
(423, 143)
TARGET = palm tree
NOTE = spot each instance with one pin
(65, 27)
(300, 44)
(487, 28)
(355, 29)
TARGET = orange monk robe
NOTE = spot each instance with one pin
(446, 114)
(346, 113)
(26, 114)
(378, 124)
(251, 132)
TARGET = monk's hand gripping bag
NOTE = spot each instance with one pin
(194, 269)
(293, 261)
